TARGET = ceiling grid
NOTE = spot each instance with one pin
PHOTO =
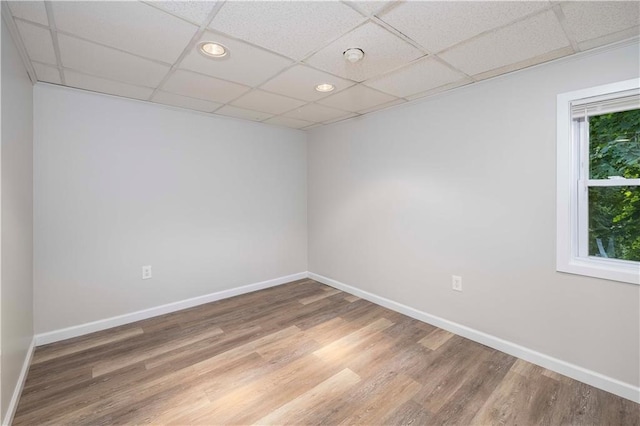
(280, 50)
(54, 37)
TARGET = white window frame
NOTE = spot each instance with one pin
(572, 184)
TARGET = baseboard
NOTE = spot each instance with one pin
(91, 327)
(15, 398)
(576, 372)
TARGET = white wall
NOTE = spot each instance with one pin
(464, 183)
(16, 282)
(210, 203)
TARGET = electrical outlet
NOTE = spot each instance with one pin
(456, 283)
(146, 272)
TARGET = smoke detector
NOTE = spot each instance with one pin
(353, 54)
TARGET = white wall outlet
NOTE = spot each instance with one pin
(456, 283)
(146, 272)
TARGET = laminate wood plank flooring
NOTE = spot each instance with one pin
(302, 354)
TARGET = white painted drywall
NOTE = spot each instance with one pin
(16, 282)
(464, 184)
(210, 203)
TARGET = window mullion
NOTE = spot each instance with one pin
(613, 182)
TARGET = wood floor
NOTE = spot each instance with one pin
(301, 353)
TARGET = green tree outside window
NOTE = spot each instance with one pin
(614, 211)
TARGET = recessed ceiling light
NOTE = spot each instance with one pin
(325, 87)
(213, 50)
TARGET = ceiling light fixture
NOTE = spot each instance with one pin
(353, 54)
(213, 50)
(325, 87)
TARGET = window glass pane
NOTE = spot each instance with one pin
(614, 222)
(614, 145)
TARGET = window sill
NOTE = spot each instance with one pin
(608, 269)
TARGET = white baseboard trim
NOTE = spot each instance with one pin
(17, 391)
(576, 372)
(91, 327)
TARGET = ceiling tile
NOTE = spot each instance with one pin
(231, 111)
(131, 26)
(109, 63)
(589, 20)
(267, 102)
(195, 11)
(357, 98)
(549, 56)
(33, 11)
(633, 32)
(437, 25)
(184, 101)
(102, 85)
(518, 42)
(288, 122)
(37, 42)
(47, 73)
(418, 77)
(371, 7)
(199, 86)
(292, 28)
(317, 113)
(244, 64)
(300, 81)
(383, 52)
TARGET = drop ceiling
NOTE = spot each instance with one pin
(280, 50)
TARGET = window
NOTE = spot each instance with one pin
(598, 177)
